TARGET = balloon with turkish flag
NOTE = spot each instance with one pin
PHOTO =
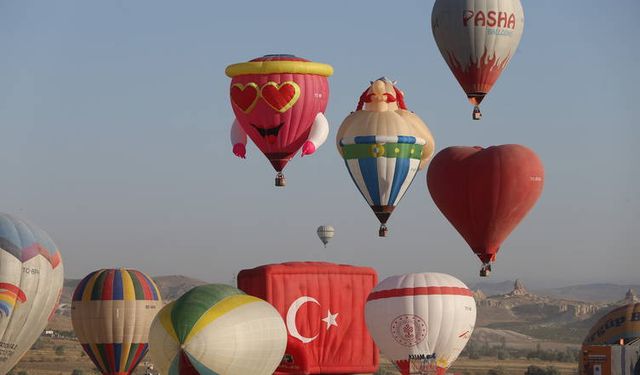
(485, 193)
(279, 102)
(322, 305)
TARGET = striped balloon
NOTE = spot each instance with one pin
(111, 312)
(217, 329)
(31, 279)
(384, 145)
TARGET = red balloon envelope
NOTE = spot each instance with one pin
(485, 193)
(323, 307)
(279, 102)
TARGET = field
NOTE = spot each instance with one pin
(61, 356)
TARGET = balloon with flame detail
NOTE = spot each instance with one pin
(279, 102)
(31, 279)
(111, 312)
(217, 329)
(383, 145)
(477, 39)
(421, 322)
(485, 193)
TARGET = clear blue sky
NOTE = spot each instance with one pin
(115, 116)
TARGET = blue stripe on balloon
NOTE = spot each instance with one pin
(365, 139)
(118, 290)
(399, 177)
(369, 170)
(117, 353)
(406, 139)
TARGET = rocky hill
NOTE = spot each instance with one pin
(542, 317)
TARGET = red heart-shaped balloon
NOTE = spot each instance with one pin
(485, 193)
(281, 97)
(244, 96)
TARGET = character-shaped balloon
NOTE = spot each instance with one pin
(384, 145)
(421, 322)
(477, 38)
(31, 278)
(279, 102)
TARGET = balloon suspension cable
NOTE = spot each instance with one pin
(477, 115)
(382, 232)
(280, 179)
(485, 270)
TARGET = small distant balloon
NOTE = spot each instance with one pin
(325, 232)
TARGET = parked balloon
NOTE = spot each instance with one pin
(485, 193)
(477, 39)
(383, 145)
(31, 278)
(217, 329)
(279, 102)
(621, 323)
(421, 321)
(325, 233)
(111, 312)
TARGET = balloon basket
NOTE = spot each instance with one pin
(477, 115)
(382, 232)
(485, 270)
(280, 180)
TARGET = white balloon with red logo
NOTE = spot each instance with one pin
(421, 315)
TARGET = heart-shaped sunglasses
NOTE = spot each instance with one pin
(280, 97)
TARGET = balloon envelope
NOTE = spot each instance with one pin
(485, 193)
(111, 312)
(421, 321)
(477, 39)
(276, 99)
(383, 145)
(31, 278)
(217, 329)
(620, 323)
(325, 233)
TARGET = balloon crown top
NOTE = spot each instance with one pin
(279, 64)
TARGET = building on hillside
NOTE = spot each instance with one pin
(621, 359)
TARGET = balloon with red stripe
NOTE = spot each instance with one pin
(111, 312)
(421, 321)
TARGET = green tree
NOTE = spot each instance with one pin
(498, 371)
(59, 350)
(77, 372)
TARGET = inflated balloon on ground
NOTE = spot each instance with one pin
(217, 329)
(111, 312)
(31, 279)
(421, 322)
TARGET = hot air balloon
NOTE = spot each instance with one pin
(111, 312)
(279, 101)
(477, 39)
(485, 193)
(622, 323)
(217, 329)
(323, 307)
(325, 233)
(383, 145)
(31, 278)
(421, 321)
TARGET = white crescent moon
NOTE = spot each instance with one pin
(291, 318)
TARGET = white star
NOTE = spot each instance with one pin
(330, 319)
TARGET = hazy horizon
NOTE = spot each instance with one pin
(115, 127)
